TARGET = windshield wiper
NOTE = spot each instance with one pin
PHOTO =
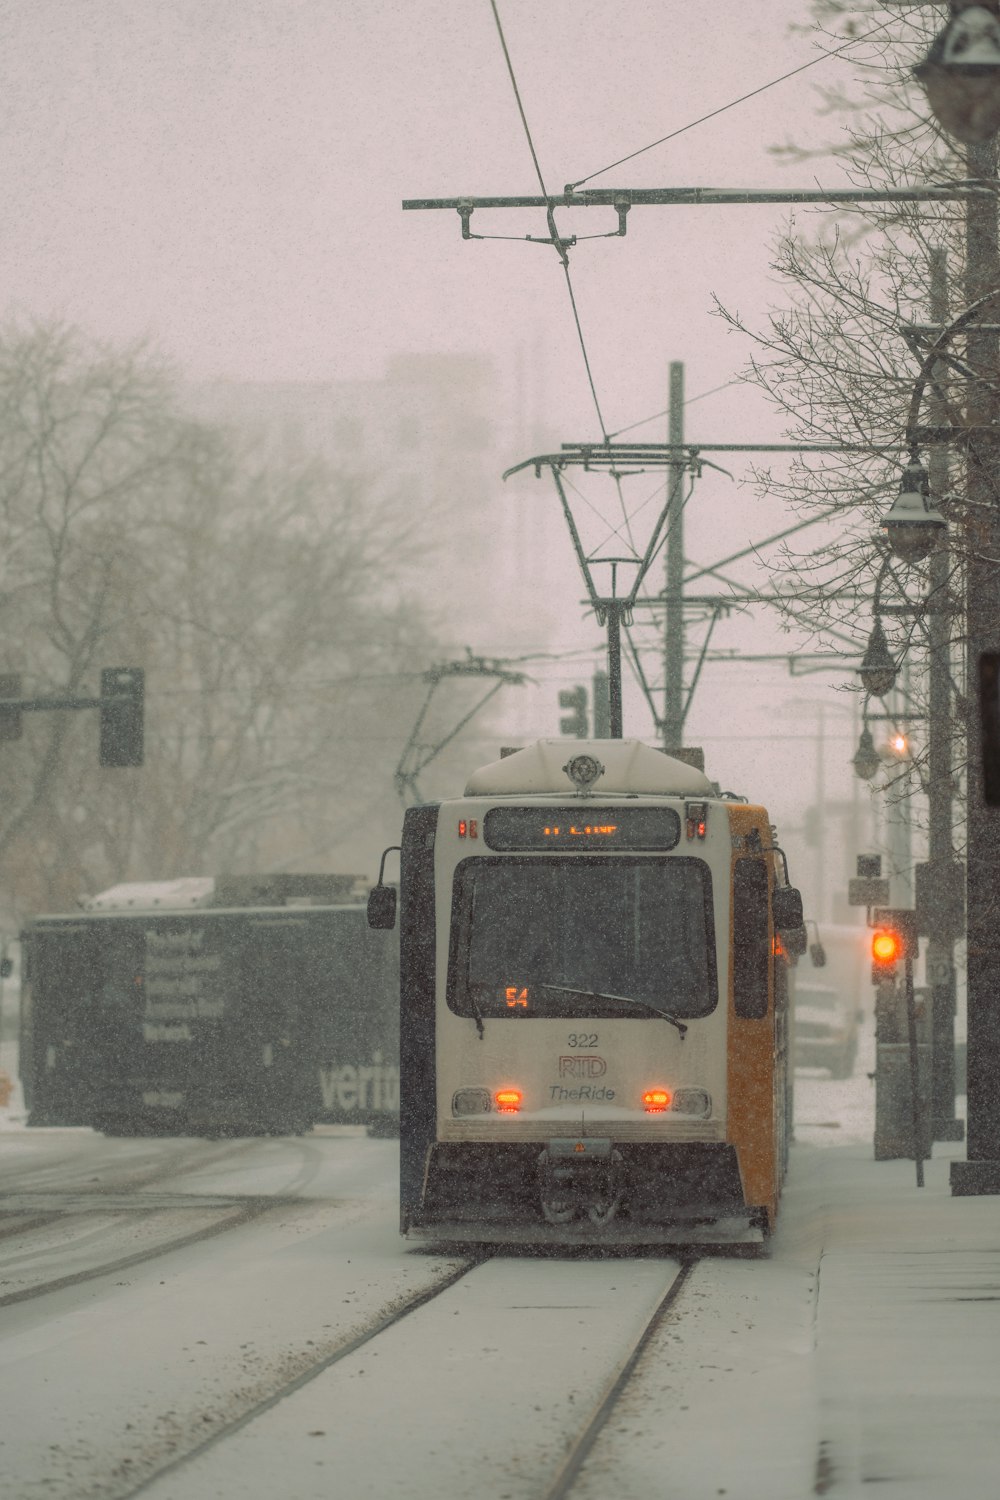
(563, 989)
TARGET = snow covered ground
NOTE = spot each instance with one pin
(860, 1352)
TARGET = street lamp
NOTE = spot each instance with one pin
(913, 524)
(961, 72)
(866, 758)
(877, 670)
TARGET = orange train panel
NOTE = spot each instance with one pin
(751, 1124)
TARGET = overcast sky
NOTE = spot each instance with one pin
(225, 176)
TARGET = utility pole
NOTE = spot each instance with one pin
(673, 626)
(980, 1173)
(942, 914)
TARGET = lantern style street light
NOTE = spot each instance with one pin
(913, 524)
(961, 72)
(877, 670)
(866, 758)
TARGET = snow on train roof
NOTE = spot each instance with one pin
(169, 895)
(629, 767)
(196, 892)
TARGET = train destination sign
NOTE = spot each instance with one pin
(581, 828)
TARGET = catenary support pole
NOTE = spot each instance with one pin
(615, 668)
(673, 628)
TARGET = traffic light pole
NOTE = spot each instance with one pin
(911, 1034)
(122, 707)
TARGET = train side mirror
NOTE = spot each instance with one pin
(6, 968)
(382, 907)
(818, 955)
(786, 908)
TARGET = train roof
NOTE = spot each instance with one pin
(203, 892)
(628, 768)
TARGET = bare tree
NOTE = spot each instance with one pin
(841, 359)
(266, 603)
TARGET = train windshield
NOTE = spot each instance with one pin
(582, 937)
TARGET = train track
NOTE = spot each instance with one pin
(123, 1191)
(650, 1293)
(576, 1450)
(238, 1212)
(305, 1377)
(603, 1410)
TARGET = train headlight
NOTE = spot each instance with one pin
(697, 1102)
(508, 1101)
(471, 1102)
(583, 771)
(694, 1102)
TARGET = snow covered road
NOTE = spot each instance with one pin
(259, 1329)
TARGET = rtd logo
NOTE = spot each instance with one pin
(582, 1067)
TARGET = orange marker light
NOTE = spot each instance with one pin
(655, 1101)
(508, 1101)
(886, 946)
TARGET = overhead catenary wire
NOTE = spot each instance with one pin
(562, 246)
(854, 41)
(702, 396)
(562, 252)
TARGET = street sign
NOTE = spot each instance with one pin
(939, 971)
(868, 891)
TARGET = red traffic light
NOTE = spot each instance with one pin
(887, 946)
(895, 925)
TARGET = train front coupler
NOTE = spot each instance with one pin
(580, 1179)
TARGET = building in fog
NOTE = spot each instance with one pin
(428, 435)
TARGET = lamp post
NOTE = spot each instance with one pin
(914, 529)
(980, 1173)
(961, 72)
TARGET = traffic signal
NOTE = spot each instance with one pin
(576, 723)
(894, 938)
(887, 950)
(123, 691)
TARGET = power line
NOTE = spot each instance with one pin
(562, 252)
(689, 402)
(517, 96)
(570, 186)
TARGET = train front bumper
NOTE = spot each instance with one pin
(591, 1192)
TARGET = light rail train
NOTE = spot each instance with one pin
(594, 1004)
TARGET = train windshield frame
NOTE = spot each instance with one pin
(557, 937)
